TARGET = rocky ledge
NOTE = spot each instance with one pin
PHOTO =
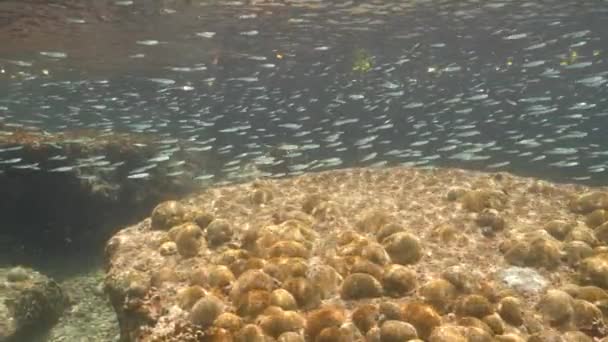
(67, 192)
(385, 255)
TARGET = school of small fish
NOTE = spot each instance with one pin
(284, 88)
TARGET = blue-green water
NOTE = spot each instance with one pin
(294, 86)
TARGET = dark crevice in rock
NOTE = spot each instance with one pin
(51, 216)
(56, 214)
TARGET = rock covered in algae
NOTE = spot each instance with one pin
(375, 252)
(327, 278)
(306, 293)
(584, 234)
(365, 317)
(589, 202)
(478, 200)
(588, 317)
(289, 249)
(474, 306)
(251, 280)
(601, 233)
(496, 323)
(440, 293)
(492, 219)
(168, 214)
(556, 307)
(291, 336)
(229, 321)
(278, 322)
(397, 331)
(596, 218)
(360, 285)
(283, 299)
(388, 230)
(472, 322)
(511, 337)
(29, 302)
(462, 278)
(594, 270)
(448, 333)
(511, 310)
(206, 310)
(361, 265)
(558, 229)
(220, 276)
(250, 332)
(575, 251)
(188, 239)
(252, 303)
(219, 232)
(423, 317)
(321, 319)
(403, 248)
(372, 221)
(533, 250)
(187, 297)
(399, 280)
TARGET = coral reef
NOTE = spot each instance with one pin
(367, 255)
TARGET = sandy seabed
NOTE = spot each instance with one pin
(395, 254)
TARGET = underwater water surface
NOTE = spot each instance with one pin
(287, 87)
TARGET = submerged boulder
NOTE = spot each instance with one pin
(29, 303)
